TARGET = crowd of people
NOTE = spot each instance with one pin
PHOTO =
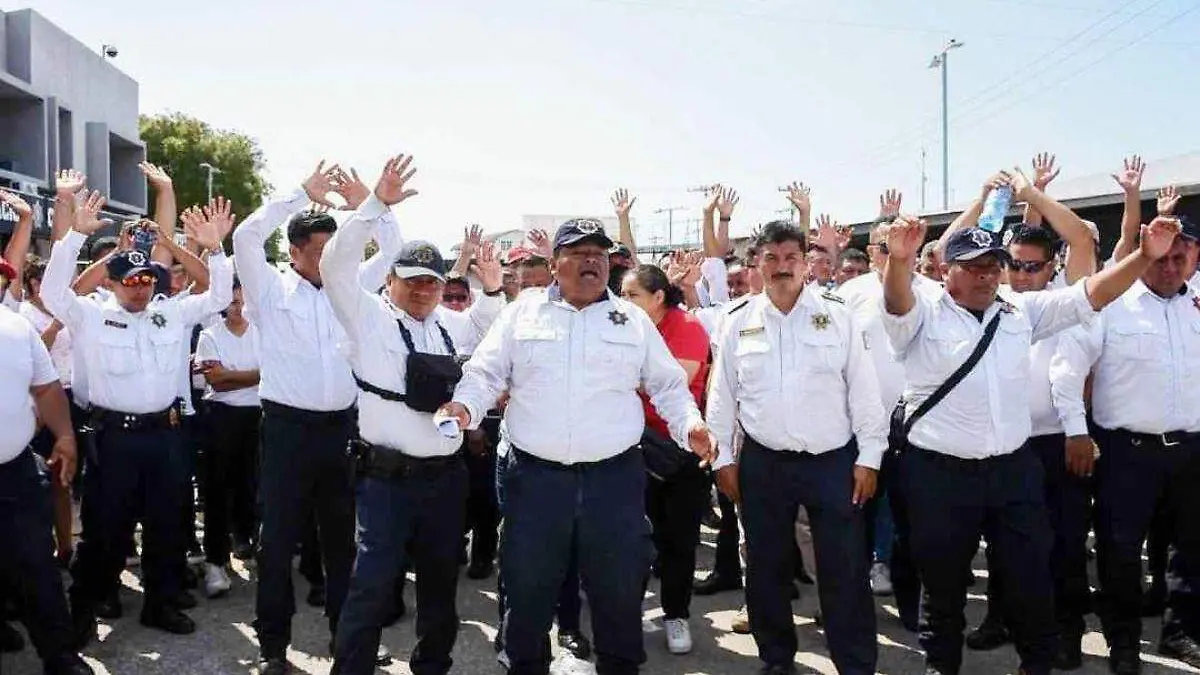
(565, 417)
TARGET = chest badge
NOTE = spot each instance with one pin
(1196, 302)
(158, 320)
(820, 321)
(1007, 308)
(618, 318)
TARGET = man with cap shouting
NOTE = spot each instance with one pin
(965, 464)
(1142, 352)
(572, 358)
(412, 481)
(131, 344)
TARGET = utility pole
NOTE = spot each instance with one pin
(209, 180)
(670, 211)
(939, 61)
(924, 180)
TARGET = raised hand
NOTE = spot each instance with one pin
(487, 267)
(351, 188)
(1168, 199)
(1021, 187)
(87, 213)
(201, 230)
(540, 242)
(800, 196)
(994, 182)
(1044, 171)
(156, 176)
(393, 183)
(320, 184)
(827, 234)
(676, 268)
(712, 198)
(219, 212)
(1130, 178)
(1158, 236)
(622, 202)
(727, 201)
(691, 266)
(18, 205)
(472, 240)
(904, 238)
(889, 204)
(68, 182)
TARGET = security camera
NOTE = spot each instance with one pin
(110, 51)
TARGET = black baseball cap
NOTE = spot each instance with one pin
(620, 249)
(1189, 228)
(578, 230)
(128, 263)
(420, 259)
(971, 243)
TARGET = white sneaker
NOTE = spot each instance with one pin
(216, 581)
(679, 636)
(881, 579)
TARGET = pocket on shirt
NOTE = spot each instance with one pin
(299, 324)
(118, 351)
(539, 356)
(1135, 341)
(168, 349)
(617, 360)
(753, 358)
(822, 352)
(1013, 341)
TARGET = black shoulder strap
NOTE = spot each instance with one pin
(385, 394)
(957, 376)
(408, 341)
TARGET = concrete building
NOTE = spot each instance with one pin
(63, 106)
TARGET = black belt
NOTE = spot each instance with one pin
(321, 417)
(1168, 439)
(155, 421)
(534, 459)
(384, 463)
(967, 465)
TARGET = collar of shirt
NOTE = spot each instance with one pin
(807, 304)
(292, 278)
(554, 296)
(1139, 289)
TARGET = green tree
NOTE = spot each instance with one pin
(180, 144)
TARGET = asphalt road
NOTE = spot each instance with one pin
(224, 642)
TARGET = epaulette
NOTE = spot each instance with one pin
(832, 297)
(736, 305)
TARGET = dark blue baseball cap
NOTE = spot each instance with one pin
(971, 243)
(578, 230)
(420, 259)
(128, 263)
(1189, 228)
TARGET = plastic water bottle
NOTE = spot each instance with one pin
(995, 208)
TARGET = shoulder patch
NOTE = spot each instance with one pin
(832, 297)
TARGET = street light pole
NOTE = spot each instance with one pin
(670, 211)
(209, 180)
(939, 61)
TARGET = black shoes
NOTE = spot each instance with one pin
(383, 658)
(1182, 648)
(715, 583)
(243, 550)
(575, 643)
(110, 608)
(68, 664)
(316, 596)
(168, 618)
(990, 635)
(1124, 661)
(184, 600)
(1070, 652)
(781, 669)
(480, 570)
(274, 666)
(83, 626)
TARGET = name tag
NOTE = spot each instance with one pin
(115, 324)
(747, 332)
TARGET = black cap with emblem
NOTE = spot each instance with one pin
(971, 243)
(1189, 228)
(578, 230)
(420, 259)
(128, 263)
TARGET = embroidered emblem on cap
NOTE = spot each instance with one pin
(820, 321)
(618, 318)
(588, 226)
(158, 320)
(136, 257)
(423, 255)
(981, 238)
(1008, 237)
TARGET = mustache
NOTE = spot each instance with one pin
(782, 275)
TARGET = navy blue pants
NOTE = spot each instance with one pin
(305, 468)
(727, 561)
(231, 488)
(27, 565)
(675, 508)
(951, 503)
(774, 485)
(424, 513)
(132, 475)
(597, 509)
(1132, 475)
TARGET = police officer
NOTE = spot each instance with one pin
(131, 345)
(795, 342)
(1142, 351)
(573, 358)
(27, 565)
(965, 466)
(412, 481)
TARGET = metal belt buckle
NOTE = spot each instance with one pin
(127, 422)
(1166, 440)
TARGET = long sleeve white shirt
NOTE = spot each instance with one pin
(133, 361)
(24, 363)
(801, 381)
(573, 375)
(1145, 353)
(988, 413)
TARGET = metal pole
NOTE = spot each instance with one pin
(945, 137)
(208, 183)
(924, 179)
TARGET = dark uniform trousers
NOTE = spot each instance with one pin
(1133, 473)
(422, 511)
(483, 512)
(951, 502)
(774, 485)
(27, 566)
(1069, 506)
(132, 474)
(727, 561)
(675, 508)
(906, 587)
(305, 466)
(597, 508)
(231, 466)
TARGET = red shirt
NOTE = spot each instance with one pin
(688, 341)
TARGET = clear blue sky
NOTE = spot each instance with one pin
(544, 106)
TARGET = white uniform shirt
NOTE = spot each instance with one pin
(572, 376)
(133, 360)
(1146, 353)
(24, 363)
(467, 328)
(303, 361)
(988, 413)
(377, 350)
(770, 366)
(234, 352)
(60, 352)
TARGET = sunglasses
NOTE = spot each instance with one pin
(1027, 266)
(146, 279)
(454, 297)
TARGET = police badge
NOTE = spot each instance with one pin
(158, 320)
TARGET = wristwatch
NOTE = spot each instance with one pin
(492, 294)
